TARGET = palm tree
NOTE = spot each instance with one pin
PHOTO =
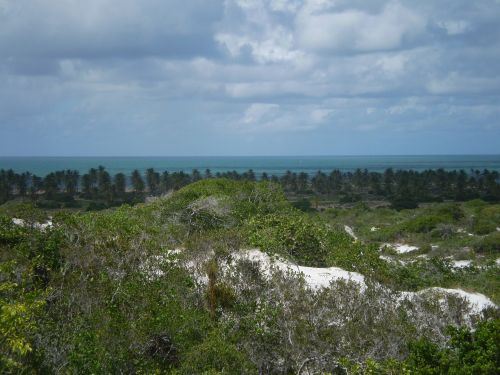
(137, 181)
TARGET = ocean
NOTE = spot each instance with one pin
(277, 165)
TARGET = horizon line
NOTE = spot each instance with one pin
(236, 156)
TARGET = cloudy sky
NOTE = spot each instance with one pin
(249, 77)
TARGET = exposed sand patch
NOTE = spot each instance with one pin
(461, 263)
(315, 277)
(41, 226)
(350, 232)
(399, 247)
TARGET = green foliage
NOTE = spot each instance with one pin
(101, 293)
(216, 353)
(418, 274)
(10, 233)
(424, 223)
(20, 307)
(487, 220)
(244, 198)
(468, 352)
(434, 217)
(488, 244)
(404, 204)
(293, 235)
(354, 256)
(17, 327)
(451, 211)
(426, 358)
(303, 205)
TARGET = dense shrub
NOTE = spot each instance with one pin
(103, 292)
(293, 235)
(487, 220)
(303, 205)
(488, 244)
(423, 223)
(452, 211)
(467, 352)
(434, 217)
(244, 198)
(216, 354)
(404, 204)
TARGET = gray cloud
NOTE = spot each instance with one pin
(107, 28)
(229, 71)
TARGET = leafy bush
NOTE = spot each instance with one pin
(467, 352)
(294, 235)
(216, 353)
(452, 211)
(303, 205)
(244, 198)
(353, 256)
(48, 204)
(28, 258)
(488, 244)
(423, 224)
(96, 206)
(101, 293)
(9, 232)
(487, 220)
(434, 217)
(403, 204)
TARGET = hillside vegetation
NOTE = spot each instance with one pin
(168, 287)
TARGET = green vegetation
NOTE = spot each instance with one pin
(97, 189)
(162, 287)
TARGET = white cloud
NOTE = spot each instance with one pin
(456, 83)
(356, 30)
(261, 66)
(275, 118)
(274, 46)
(455, 27)
(267, 40)
(320, 115)
(393, 65)
(257, 112)
(288, 6)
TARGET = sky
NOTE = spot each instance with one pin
(249, 77)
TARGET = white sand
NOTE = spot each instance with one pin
(350, 232)
(477, 301)
(387, 258)
(315, 278)
(461, 263)
(17, 221)
(374, 229)
(399, 247)
(41, 226)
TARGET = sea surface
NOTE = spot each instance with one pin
(277, 165)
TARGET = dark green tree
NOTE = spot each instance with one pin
(152, 181)
(137, 181)
(120, 184)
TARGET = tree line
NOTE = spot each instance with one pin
(402, 187)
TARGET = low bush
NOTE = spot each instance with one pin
(486, 220)
(293, 235)
(467, 352)
(423, 224)
(488, 244)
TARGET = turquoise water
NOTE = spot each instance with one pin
(277, 165)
